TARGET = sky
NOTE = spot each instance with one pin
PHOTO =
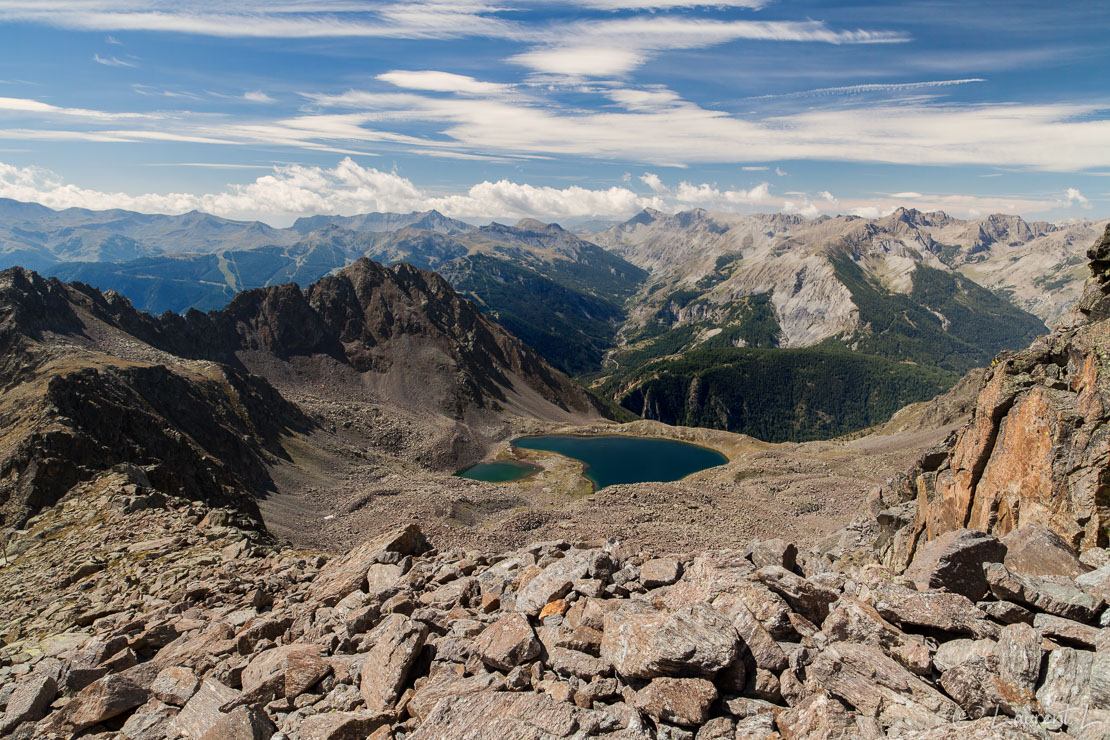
(564, 110)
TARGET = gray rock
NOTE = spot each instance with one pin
(854, 621)
(1057, 597)
(1038, 551)
(950, 654)
(1019, 656)
(680, 701)
(641, 642)
(660, 572)
(804, 596)
(775, 551)
(954, 562)
(938, 610)
(28, 702)
(878, 687)
(1066, 631)
(397, 640)
(175, 685)
(203, 710)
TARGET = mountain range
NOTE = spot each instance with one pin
(649, 310)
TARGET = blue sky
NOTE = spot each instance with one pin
(560, 110)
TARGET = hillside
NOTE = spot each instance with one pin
(775, 395)
(215, 401)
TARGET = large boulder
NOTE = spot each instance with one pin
(1055, 596)
(397, 641)
(507, 643)
(641, 642)
(1038, 551)
(680, 701)
(954, 562)
(869, 680)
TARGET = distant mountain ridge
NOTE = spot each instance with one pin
(502, 267)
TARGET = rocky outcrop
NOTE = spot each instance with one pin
(1036, 451)
(174, 622)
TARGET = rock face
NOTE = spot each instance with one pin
(1037, 449)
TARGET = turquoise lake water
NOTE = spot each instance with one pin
(499, 471)
(613, 459)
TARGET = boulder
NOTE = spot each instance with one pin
(507, 643)
(877, 686)
(680, 701)
(557, 579)
(954, 562)
(491, 715)
(641, 642)
(175, 685)
(817, 717)
(1065, 687)
(1066, 631)
(348, 573)
(242, 723)
(777, 552)
(343, 725)
(396, 641)
(976, 686)
(1055, 596)
(1019, 654)
(854, 621)
(447, 684)
(950, 654)
(660, 572)
(28, 702)
(755, 640)
(937, 610)
(810, 599)
(110, 696)
(1034, 550)
(203, 710)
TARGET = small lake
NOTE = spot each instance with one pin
(612, 459)
(499, 471)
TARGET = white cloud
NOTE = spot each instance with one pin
(257, 96)
(755, 168)
(652, 181)
(664, 4)
(1073, 197)
(434, 81)
(29, 106)
(111, 61)
(893, 87)
(616, 47)
(267, 18)
(907, 195)
(780, 172)
(709, 196)
(348, 188)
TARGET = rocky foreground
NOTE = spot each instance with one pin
(130, 614)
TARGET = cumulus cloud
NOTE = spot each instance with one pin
(287, 192)
(652, 181)
(1072, 197)
(347, 188)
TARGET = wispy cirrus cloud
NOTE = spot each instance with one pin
(28, 106)
(616, 47)
(112, 61)
(867, 89)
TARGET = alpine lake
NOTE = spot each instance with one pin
(607, 460)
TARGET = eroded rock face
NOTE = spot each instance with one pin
(1037, 449)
